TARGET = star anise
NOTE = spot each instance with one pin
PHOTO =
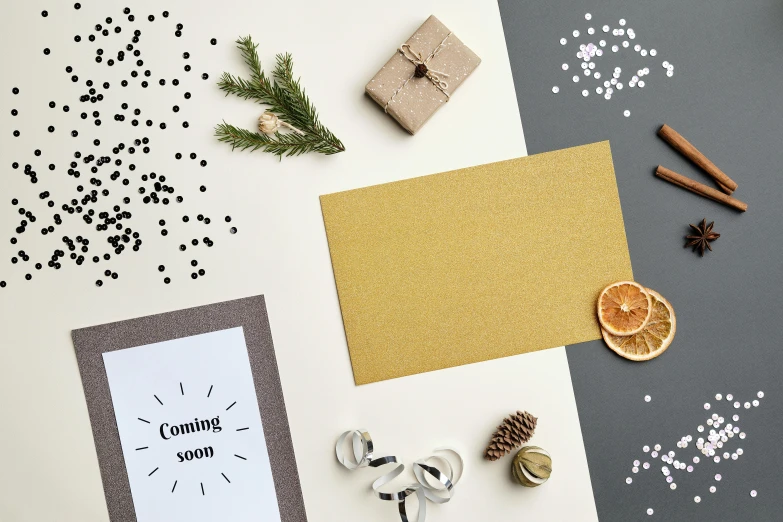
(701, 240)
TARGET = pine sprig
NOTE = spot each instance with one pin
(286, 99)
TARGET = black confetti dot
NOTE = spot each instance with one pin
(213, 41)
(187, 68)
(185, 124)
(98, 283)
(14, 112)
(167, 280)
(194, 263)
(182, 248)
(46, 51)
(233, 230)
(204, 76)
(44, 13)
(77, 38)
(28, 276)
(15, 90)
(151, 18)
(187, 95)
(177, 33)
(194, 275)
(2, 284)
(203, 188)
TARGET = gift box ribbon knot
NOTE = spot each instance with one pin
(422, 70)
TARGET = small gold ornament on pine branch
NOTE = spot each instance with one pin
(516, 430)
(269, 123)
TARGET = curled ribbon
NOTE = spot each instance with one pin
(422, 70)
(444, 475)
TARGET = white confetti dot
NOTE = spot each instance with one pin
(584, 65)
(716, 459)
(657, 447)
(713, 489)
(697, 499)
(622, 21)
(605, 28)
(590, 30)
(602, 43)
(737, 404)
(576, 79)
(563, 41)
(755, 402)
(635, 462)
(591, 65)
(669, 73)
(635, 469)
(626, 44)
(654, 454)
(729, 397)
(695, 460)
(587, 72)
(619, 86)
(607, 96)
(665, 65)
(669, 479)
(718, 397)
(575, 33)
(615, 48)
(597, 75)
(747, 405)
(726, 455)
(628, 480)
(599, 52)
(620, 32)
(706, 405)
(643, 52)
(585, 93)
(637, 48)
(588, 16)
(734, 456)
(718, 477)
(753, 493)
(700, 428)
(564, 66)
(599, 90)
(641, 84)
(735, 418)
(673, 485)
(646, 465)
(740, 451)
(653, 52)
(760, 395)
(650, 511)
(555, 89)
(626, 113)
(742, 435)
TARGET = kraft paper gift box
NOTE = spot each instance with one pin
(422, 75)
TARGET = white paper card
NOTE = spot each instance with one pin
(191, 430)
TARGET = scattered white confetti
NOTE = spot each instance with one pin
(673, 485)
(669, 479)
(626, 44)
(622, 21)
(695, 460)
(628, 480)
(587, 72)
(657, 447)
(591, 65)
(650, 511)
(615, 48)
(700, 428)
(654, 454)
(665, 65)
(729, 397)
(760, 395)
(597, 75)
(740, 451)
(753, 493)
(637, 48)
(555, 89)
(742, 435)
(564, 66)
(755, 402)
(635, 469)
(588, 16)
(713, 489)
(653, 52)
(706, 405)
(576, 79)
(599, 90)
(747, 405)
(716, 459)
(718, 477)
(697, 499)
(585, 93)
(590, 30)
(575, 33)
(737, 404)
(647, 398)
(646, 465)
(563, 41)
(734, 456)
(626, 113)
(605, 28)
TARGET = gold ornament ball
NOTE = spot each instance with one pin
(532, 466)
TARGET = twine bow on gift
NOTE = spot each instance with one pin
(422, 69)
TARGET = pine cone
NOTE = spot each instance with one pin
(516, 429)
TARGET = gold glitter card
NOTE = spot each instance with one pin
(477, 263)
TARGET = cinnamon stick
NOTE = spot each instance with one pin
(700, 189)
(684, 147)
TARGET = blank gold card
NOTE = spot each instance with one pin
(477, 263)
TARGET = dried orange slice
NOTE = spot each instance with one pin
(624, 308)
(654, 338)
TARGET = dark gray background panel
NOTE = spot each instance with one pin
(725, 97)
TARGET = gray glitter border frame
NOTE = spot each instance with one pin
(249, 313)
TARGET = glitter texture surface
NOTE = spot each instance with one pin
(478, 263)
(413, 105)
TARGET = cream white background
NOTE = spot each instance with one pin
(49, 470)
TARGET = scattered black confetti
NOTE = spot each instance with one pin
(109, 225)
